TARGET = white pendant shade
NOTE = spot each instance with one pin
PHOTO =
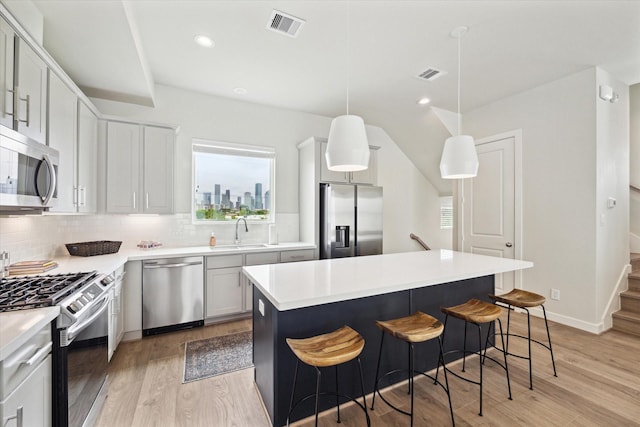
(459, 158)
(348, 148)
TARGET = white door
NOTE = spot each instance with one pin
(488, 205)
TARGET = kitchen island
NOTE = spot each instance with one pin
(313, 297)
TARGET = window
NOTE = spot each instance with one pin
(446, 212)
(232, 181)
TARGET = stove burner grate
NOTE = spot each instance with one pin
(40, 291)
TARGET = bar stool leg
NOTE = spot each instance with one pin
(317, 392)
(479, 358)
(364, 399)
(529, 342)
(293, 390)
(504, 353)
(546, 324)
(446, 380)
(464, 347)
(375, 384)
(411, 379)
(441, 339)
(337, 397)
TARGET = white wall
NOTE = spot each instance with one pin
(411, 203)
(612, 163)
(560, 190)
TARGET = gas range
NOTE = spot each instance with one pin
(74, 293)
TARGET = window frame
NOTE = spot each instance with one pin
(199, 145)
(446, 212)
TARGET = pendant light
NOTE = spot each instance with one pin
(459, 157)
(347, 147)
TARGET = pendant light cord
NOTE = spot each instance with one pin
(459, 60)
(348, 44)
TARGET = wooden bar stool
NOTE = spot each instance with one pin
(321, 351)
(419, 327)
(524, 299)
(476, 312)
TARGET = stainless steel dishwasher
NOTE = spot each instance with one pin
(172, 294)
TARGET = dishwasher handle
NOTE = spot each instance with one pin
(176, 265)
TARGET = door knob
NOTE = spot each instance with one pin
(509, 244)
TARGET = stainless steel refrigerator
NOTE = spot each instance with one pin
(350, 220)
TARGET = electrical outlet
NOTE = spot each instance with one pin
(555, 294)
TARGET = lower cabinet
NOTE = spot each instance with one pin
(116, 312)
(229, 293)
(30, 403)
(224, 291)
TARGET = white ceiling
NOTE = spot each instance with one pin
(119, 49)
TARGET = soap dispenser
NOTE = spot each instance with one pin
(212, 239)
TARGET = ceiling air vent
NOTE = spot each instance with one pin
(284, 23)
(431, 74)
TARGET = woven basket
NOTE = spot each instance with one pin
(101, 247)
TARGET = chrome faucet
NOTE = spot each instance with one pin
(246, 229)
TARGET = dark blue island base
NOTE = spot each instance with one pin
(274, 362)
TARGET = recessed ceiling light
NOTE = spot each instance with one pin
(240, 91)
(423, 101)
(204, 41)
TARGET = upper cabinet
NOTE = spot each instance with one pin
(87, 154)
(139, 168)
(30, 93)
(7, 36)
(367, 176)
(63, 107)
(23, 81)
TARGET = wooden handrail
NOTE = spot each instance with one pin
(633, 187)
(419, 240)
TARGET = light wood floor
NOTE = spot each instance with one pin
(598, 384)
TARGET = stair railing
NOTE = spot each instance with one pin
(420, 241)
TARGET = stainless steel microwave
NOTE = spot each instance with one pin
(28, 172)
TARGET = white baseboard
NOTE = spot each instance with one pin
(606, 321)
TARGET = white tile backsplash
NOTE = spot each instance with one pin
(34, 237)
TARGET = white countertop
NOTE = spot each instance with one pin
(16, 327)
(106, 264)
(305, 284)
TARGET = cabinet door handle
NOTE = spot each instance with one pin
(4, 103)
(146, 200)
(134, 200)
(28, 101)
(82, 197)
(75, 196)
(38, 355)
(18, 417)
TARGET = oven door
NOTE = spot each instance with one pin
(82, 368)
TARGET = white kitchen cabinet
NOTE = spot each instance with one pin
(139, 168)
(23, 82)
(367, 176)
(7, 36)
(87, 152)
(63, 106)
(297, 255)
(224, 291)
(116, 312)
(31, 93)
(30, 404)
(132, 300)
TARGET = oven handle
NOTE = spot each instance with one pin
(74, 330)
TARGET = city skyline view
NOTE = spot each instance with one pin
(227, 186)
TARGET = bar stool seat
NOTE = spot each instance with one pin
(524, 300)
(326, 350)
(476, 312)
(416, 328)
